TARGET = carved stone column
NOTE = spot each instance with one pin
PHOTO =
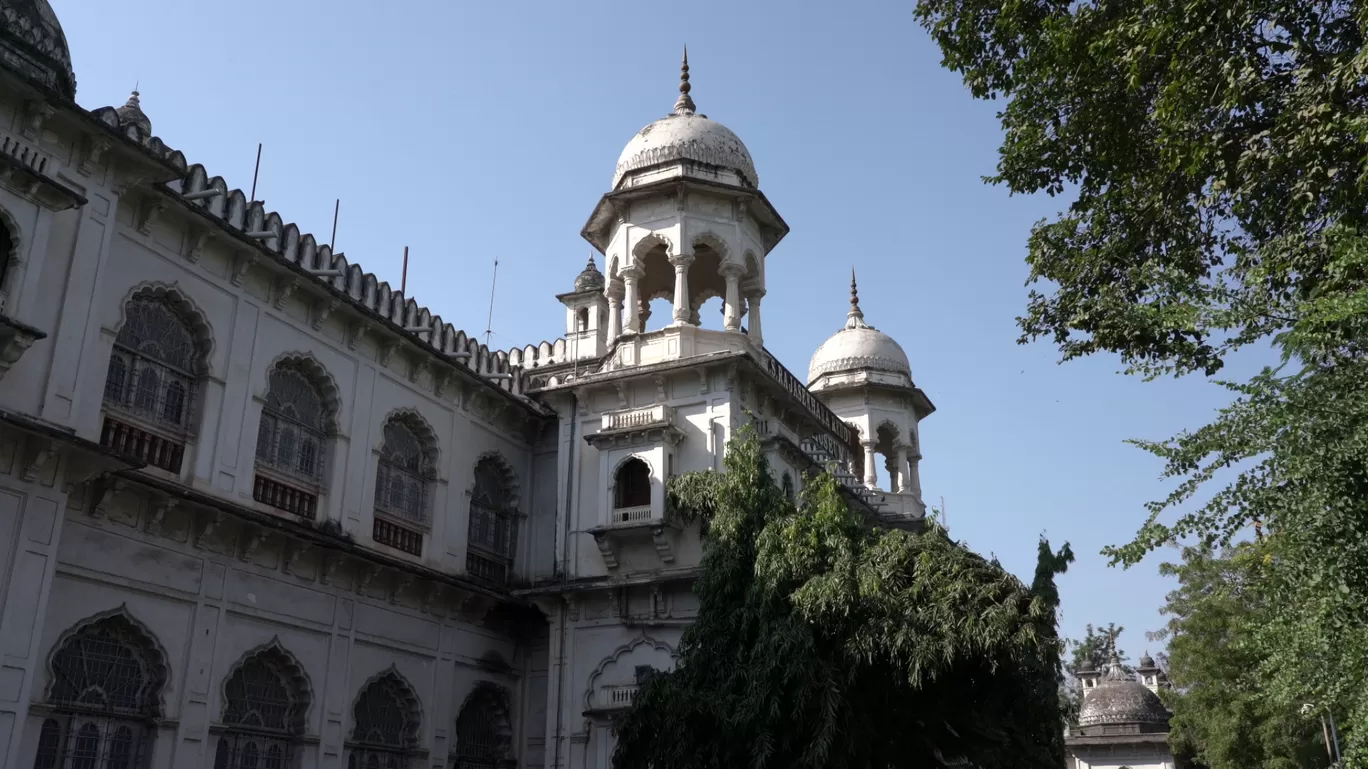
(731, 319)
(914, 476)
(630, 300)
(871, 473)
(681, 289)
(902, 482)
(614, 309)
(753, 298)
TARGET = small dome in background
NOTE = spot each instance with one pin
(686, 135)
(858, 346)
(590, 279)
(1119, 699)
(32, 43)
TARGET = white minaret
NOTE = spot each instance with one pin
(586, 315)
(863, 376)
(685, 221)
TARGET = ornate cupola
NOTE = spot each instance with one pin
(863, 376)
(586, 313)
(684, 221)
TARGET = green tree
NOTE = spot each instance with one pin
(1214, 150)
(1220, 715)
(824, 641)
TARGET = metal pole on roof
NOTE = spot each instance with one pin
(403, 281)
(332, 242)
(255, 171)
(489, 323)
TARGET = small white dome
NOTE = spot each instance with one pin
(686, 135)
(858, 346)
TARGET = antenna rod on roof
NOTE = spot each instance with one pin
(256, 171)
(403, 281)
(333, 240)
(489, 323)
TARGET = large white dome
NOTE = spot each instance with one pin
(686, 135)
(858, 347)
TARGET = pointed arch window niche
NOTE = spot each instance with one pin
(292, 441)
(493, 522)
(104, 698)
(404, 476)
(483, 731)
(385, 723)
(263, 715)
(153, 382)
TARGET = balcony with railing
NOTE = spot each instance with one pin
(651, 416)
(618, 697)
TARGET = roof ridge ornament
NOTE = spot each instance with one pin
(855, 318)
(684, 106)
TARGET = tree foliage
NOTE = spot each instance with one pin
(1215, 150)
(822, 641)
(1216, 664)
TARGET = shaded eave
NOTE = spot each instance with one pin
(920, 400)
(598, 230)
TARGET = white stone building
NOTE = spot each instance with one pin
(1122, 723)
(258, 510)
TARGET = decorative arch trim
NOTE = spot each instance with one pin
(619, 653)
(287, 666)
(506, 473)
(622, 462)
(413, 419)
(184, 307)
(894, 429)
(150, 650)
(409, 702)
(321, 378)
(713, 241)
(650, 242)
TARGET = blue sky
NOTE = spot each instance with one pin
(469, 131)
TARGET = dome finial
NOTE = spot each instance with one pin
(855, 318)
(685, 104)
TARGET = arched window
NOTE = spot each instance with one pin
(402, 478)
(263, 714)
(582, 319)
(291, 443)
(6, 246)
(632, 490)
(151, 384)
(385, 725)
(492, 520)
(105, 693)
(483, 733)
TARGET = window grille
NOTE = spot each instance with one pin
(632, 486)
(103, 702)
(481, 735)
(384, 730)
(262, 718)
(402, 475)
(788, 486)
(151, 369)
(491, 521)
(292, 438)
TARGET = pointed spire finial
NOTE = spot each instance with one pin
(591, 266)
(854, 318)
(685, 104)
